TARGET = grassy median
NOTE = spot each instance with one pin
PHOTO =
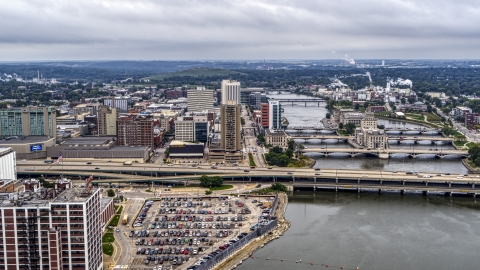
(250, 158)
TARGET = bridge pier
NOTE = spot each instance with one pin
(425, 193)
(314, 188)
(403, 182)
(380, 191)
(336, 180)
(336, 189)
(403, 191)
(358, 190)
(473, 185)
(314, 179)
(293, 179)
(449, 184)
(426, 183)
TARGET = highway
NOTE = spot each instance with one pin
(115, 172)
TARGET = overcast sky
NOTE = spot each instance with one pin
(238, 29)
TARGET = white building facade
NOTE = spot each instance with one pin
(8, 167)
(230, 92)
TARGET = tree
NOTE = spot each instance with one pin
(474, 152)
(291, 144)
(279, 187)
(242, 121)
(205, 181)
(208, 192)
(340, 126)
(403, 100)
(357, 106)
(110, 193)
(328, 115)
(381, 127)
(350, 128)
(289, 153)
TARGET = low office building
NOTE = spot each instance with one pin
(276, 138)
(29, 147)
(91, 148)
(179, 149)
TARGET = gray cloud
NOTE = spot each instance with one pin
(236, 29)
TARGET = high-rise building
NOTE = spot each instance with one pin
(121, 103)
(8, 169)
(274, 114)
(28, 121)
(107, 121)
(230, 92)
(230, 127)
(52, 229)
(199, 100)
(264, 108)
(135, 131)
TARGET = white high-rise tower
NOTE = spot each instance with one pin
(230, 92)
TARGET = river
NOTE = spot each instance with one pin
(310, 115)
(375, 231)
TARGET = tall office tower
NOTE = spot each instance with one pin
(230, 127)
(107, 121)
(199, 100)
(274, 114)
(28, 121)
(51, 229)
(135, 131)
(230, 92)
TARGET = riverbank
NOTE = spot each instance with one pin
(246, 252)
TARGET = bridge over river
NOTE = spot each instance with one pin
(399, 139)
(386, 153)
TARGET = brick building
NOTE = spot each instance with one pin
(135, 130)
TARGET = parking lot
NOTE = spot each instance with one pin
(178, 232)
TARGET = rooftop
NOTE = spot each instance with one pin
(87, 141)
(25, 139)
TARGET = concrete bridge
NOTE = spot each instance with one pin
(305, 101)
(386, 153)
(299, 129)
(394, 130)
(433, 140)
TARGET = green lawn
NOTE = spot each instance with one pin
(222, 187)
(196, 72)
(418, 117)
(114, 221)
(250, 158)
(107, 249)
(108, 238)
(119, 210)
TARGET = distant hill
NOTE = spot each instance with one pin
(197, 72)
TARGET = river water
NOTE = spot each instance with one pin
(375, 231)
(300, 115)
(369, 230)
